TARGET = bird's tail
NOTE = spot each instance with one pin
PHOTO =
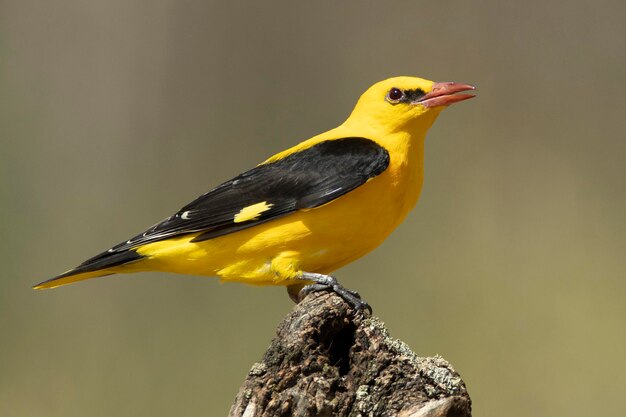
(106, 263)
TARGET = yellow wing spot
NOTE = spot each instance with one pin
(252, 212)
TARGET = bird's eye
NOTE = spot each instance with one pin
(394, 95)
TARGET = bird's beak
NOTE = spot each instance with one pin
(444, 94)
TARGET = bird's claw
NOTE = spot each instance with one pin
(327, 282)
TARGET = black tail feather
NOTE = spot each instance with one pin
(101, 262)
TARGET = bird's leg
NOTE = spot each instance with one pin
(321, 282)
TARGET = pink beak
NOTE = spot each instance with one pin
(443, 94)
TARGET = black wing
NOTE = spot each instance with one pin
(305, 179)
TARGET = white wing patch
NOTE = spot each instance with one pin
(185, 215)
(252, 212)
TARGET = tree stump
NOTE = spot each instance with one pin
(329, 360)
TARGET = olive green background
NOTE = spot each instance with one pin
(113, 114)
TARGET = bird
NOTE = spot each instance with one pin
(304, 212)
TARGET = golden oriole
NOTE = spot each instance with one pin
(304, 212)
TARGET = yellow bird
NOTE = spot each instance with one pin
(304, 212)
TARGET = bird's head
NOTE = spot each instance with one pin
(405, 103)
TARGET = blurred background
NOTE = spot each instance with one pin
(115, 114)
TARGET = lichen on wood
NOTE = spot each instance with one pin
(330, 360)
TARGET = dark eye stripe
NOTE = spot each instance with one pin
(414, 95)
(395, 95)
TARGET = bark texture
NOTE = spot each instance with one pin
(329, 360)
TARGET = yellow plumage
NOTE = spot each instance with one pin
(324, 238)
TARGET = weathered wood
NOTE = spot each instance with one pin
(328, 360)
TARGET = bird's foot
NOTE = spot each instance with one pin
(321, 282)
